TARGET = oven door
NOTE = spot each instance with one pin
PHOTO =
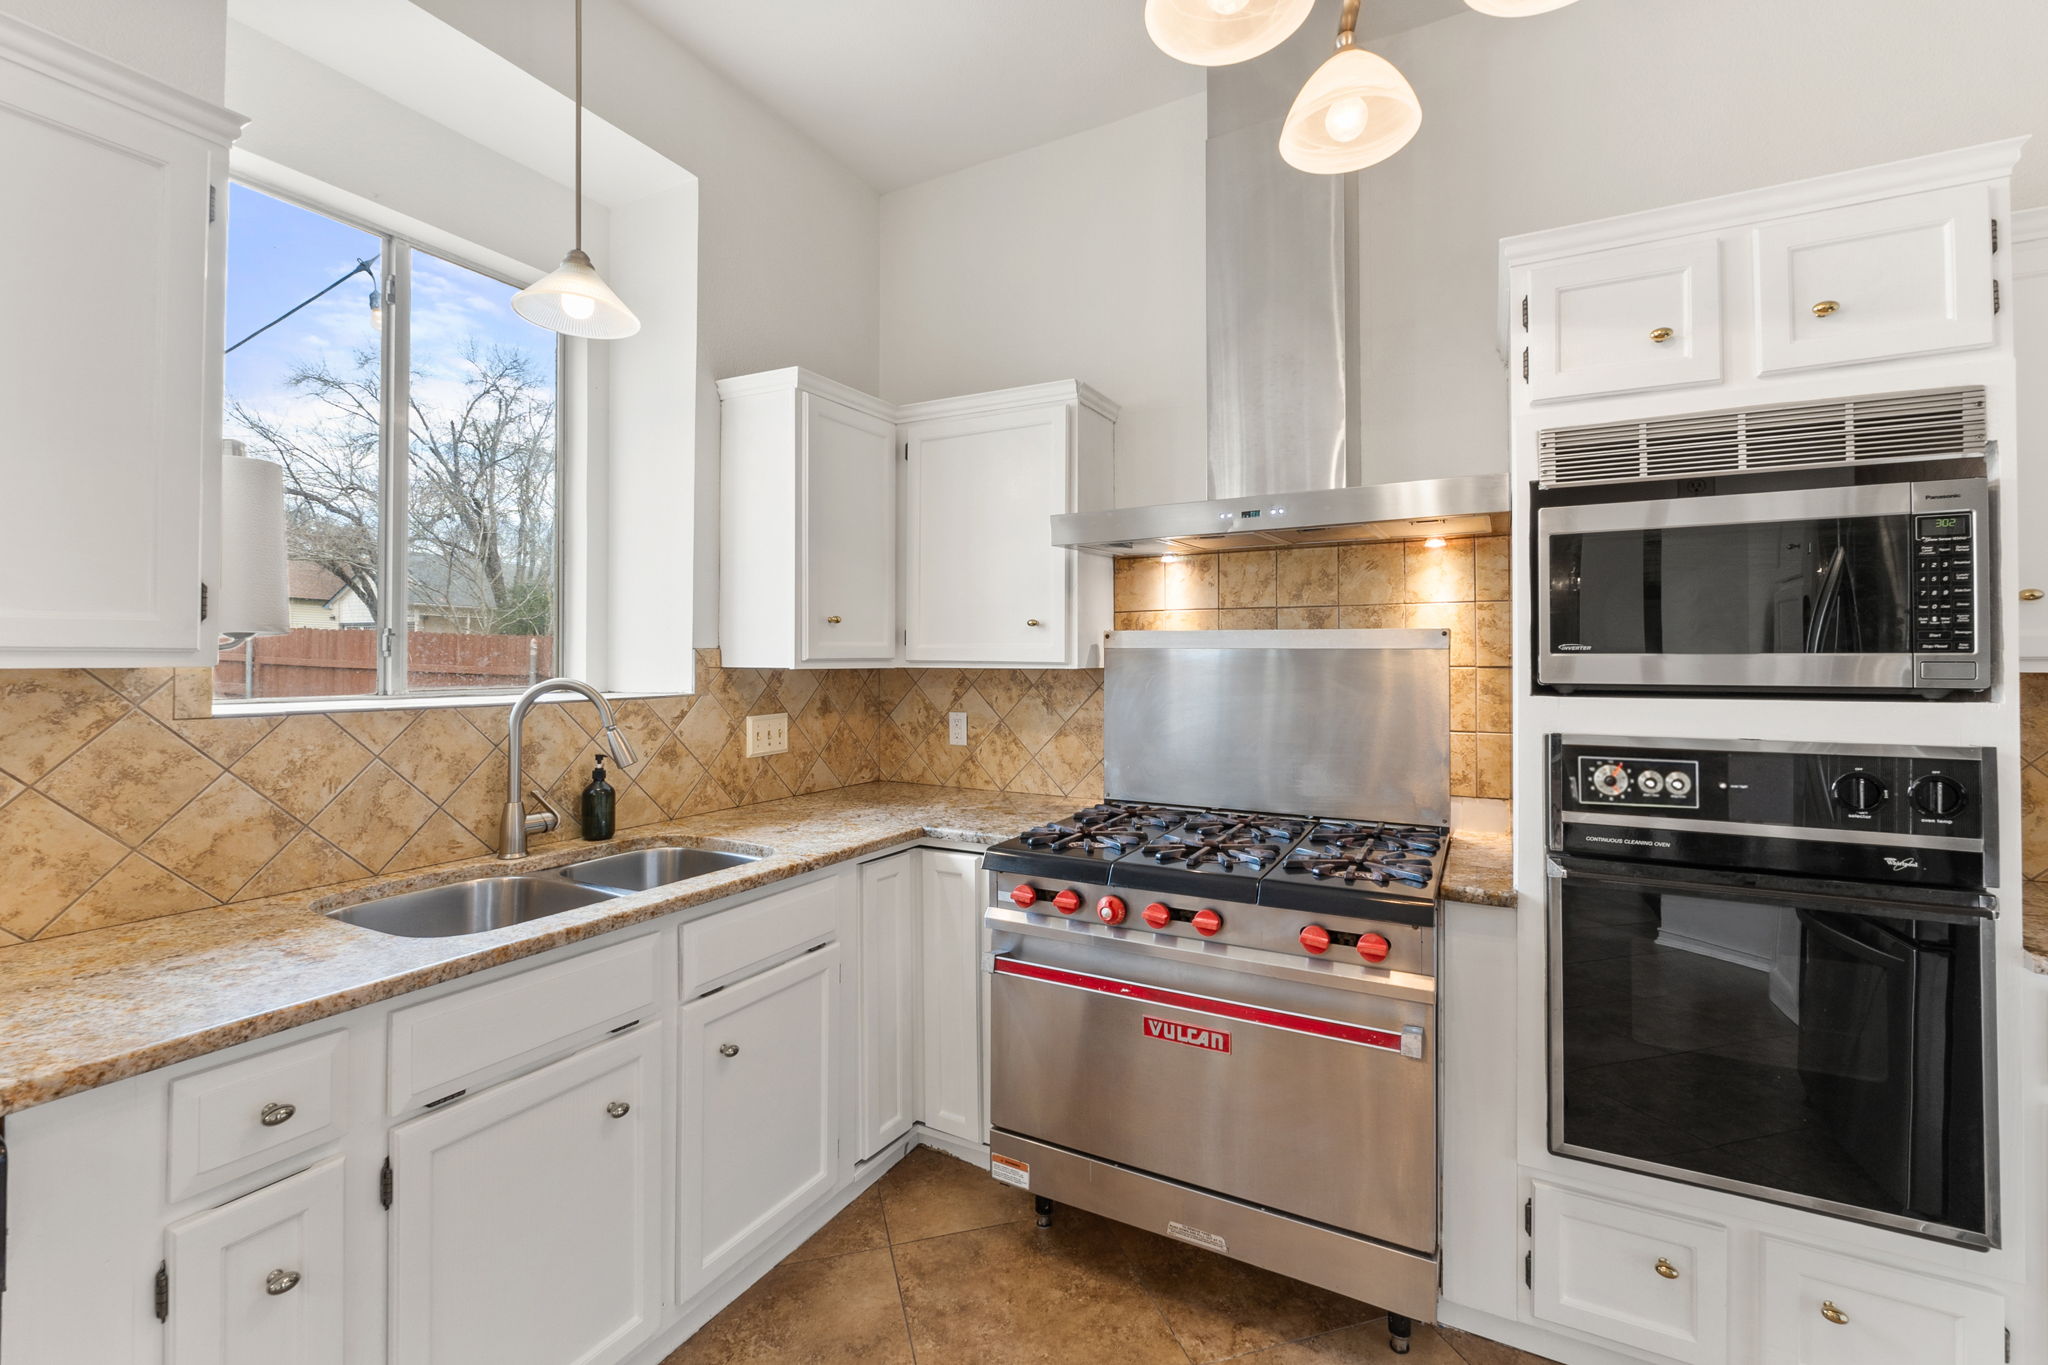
(1797, 589)
(1313, 1099)
(1828, 1052)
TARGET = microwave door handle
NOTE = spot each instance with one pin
(1830, 598)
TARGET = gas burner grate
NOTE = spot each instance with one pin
(1194, 850)
(1081, 838)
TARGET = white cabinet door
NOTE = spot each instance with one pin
(525, 1226)
(1899, 277)
(1643, 1279)
(848, 506)
(1819, 1308)
(759, 1110)
(2030, 357)
(110, 373)
(953, 1046)
(983, 585)
(1622, 321)
(890, 999)
(259, 1281)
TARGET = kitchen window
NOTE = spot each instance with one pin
(415, 415)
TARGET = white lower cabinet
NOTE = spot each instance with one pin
(525, 1220)
(951, 1024)
(259, 1281)
(890, 1002)
(1820, 1308)
(758, 1109)
(1644, 1279)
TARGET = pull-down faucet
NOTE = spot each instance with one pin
(517, 823)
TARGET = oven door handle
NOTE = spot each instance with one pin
(1407, 1041)
(1875, 900)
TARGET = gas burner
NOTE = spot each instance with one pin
(1129, 816)
(1193, 849)
(1081, 838)
(1380, 869)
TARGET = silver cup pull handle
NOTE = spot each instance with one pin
(274, 1114)
(728, 1049)
(618, 1109)
(280, 1281)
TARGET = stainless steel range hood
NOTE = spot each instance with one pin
(1284, 465)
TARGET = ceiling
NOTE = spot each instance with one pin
(905, 90)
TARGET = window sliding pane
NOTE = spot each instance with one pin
(480, 569)
(302, 390)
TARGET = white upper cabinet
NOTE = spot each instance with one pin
(1621, 321)
(808, 524)
(110, 371)
(1880, 281)
(2030, 322)
(983, 584)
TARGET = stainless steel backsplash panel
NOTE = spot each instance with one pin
(1343, 723)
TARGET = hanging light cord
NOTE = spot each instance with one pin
(366, 266)
(1347, 24)
(579, 125)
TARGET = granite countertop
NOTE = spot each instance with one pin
(87, 1009)
(2034, 922)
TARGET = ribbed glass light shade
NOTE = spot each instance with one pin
(1516, 9)
(574, 300)
(1220, 32)
(1355, 111)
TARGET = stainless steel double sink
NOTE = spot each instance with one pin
(483, 903)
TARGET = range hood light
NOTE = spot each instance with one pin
(1222, 32)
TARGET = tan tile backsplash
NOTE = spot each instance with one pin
(1460, 586)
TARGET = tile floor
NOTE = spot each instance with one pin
(939, 1265)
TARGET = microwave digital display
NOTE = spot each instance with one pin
(1947, 526)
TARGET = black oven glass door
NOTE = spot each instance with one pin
(1827, 1054)
(1817, 585)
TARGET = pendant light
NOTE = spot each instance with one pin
(574, 299)
(1355, 111)
(1516, 9)
(1220, 32)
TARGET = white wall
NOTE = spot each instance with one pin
(1078, 259)
(177, 41)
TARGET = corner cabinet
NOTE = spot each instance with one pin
(118, 482)
(855, 533)
(983, 477)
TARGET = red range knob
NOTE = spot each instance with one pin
(1068, 901)
(1110, 910)
(1023, 895)
(1316, 939)
(1374, 947)
(1158, 916)
(1208, 922)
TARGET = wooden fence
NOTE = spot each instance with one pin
(343, 663)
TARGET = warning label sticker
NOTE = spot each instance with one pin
(1212, 1240)
(1010, 1171)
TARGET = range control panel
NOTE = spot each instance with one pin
(1878, 790)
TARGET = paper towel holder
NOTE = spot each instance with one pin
(253, 598)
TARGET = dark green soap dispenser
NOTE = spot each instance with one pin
(600, 805)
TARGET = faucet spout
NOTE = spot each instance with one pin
(517, 824)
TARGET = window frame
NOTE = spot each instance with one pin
(394, 470)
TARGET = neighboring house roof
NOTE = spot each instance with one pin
(447, 582)
(310, 582)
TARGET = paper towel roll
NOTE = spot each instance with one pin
(252, 595)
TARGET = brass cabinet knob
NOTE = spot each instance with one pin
(1666, 1269)
(728, 1049)
(1032, 622)
(274, 1114)
(2030, 594)
(1662, 335)
(1826, 308)
(618, 1109)
(1833, 1314)
(280, 1281)
(831, 620)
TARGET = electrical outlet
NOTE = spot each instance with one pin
(956, 727)
(767, 735)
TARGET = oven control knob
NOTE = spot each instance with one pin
(1208, 922)
(1068, 901)
(1940, 797)
(1024, 895)
(1860, 792)
(1374, 947)
(1110, 910)
(1610, 779)
(1158, 916)
(1316, 939)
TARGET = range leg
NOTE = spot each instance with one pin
(1044, 1207)
(1399, 1329)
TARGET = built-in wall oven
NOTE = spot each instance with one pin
(1771, 972)
(1850, 579)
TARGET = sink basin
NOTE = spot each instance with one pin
(471, 907)
(647, 868)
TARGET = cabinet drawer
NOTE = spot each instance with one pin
(1820, 1308)
(488, 1031)
(234, 1119)
(259, 1281)
(724, 947)
(1648, 1280)
(1901, 277)
(1624, 321)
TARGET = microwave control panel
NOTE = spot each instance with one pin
(1944, 583)
(1875, 790)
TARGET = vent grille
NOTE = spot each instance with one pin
(1925, 425)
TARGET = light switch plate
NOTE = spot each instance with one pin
(956, 727)
(767, 735)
